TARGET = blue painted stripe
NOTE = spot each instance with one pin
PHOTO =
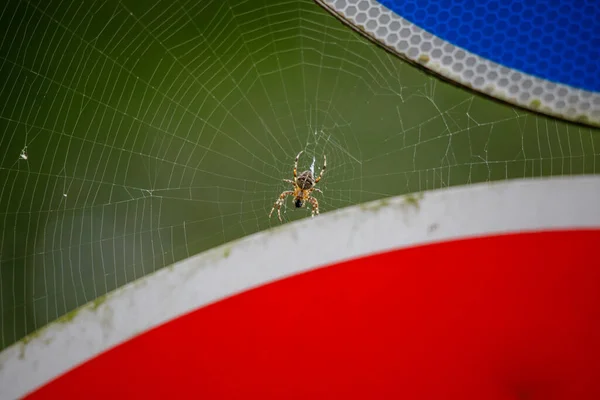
(556, 40)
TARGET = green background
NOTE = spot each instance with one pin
(156, 130)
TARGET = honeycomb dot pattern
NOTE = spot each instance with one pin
(514, 55)
(555, 40)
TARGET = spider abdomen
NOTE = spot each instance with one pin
(305, 180)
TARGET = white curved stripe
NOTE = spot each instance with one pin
(518, 205)
(407, 40)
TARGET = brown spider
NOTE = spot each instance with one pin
(304, 185)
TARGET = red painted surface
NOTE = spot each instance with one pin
(506, 317)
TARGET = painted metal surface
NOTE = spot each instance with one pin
(449, 214)
(503, 49)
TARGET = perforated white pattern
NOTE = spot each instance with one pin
(417, 45)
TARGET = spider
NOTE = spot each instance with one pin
(304, 185)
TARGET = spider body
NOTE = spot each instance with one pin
(305, 181)
(304, 185)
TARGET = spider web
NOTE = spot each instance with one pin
(136, 134)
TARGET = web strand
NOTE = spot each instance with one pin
(136, 135)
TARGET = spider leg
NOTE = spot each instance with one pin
(296, 166)
(322, 169)
(290, 181)
(315, 206)
(317, 190)
(279, 202)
